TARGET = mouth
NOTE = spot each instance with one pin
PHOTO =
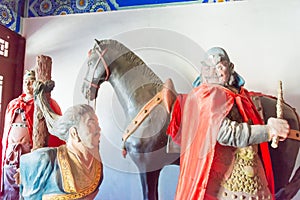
(97, 137)
(89, 95)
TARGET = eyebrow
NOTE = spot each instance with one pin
(91, 118)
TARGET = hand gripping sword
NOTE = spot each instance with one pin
(279, 112)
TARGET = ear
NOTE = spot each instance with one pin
(74, 134)
(231, 67)
(98, 44)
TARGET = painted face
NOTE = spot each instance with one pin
(217, 74)
(89, 131)
(28, 86)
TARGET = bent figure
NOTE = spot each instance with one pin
(224, 149)
(71, 171)
(17, 135)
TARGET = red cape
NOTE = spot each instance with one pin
(174, 128)
(205, 108)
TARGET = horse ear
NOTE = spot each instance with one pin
(98, 44)
(97, 41)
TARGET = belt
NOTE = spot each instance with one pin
(21, 125)
(225, 194)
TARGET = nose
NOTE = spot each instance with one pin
(99, 129)
(219, 69)
(28, 83)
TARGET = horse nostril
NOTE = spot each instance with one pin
(88, 94)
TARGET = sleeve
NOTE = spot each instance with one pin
(7, 122)
(35, 170)
(55, 107)
(54, 141)
(236, 134)
(9, 112)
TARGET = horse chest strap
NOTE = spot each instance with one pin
(139, 118)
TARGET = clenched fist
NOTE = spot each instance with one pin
(278, 127)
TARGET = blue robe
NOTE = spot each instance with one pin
(41, 175)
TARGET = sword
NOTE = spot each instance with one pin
(279, 112)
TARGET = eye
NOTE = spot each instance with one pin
(90, 63)
(221, 66)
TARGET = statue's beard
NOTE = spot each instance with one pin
(216, 79)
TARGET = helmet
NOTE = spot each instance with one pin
(214, 56)
(29, 74)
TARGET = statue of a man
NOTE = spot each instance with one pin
(71, 171)
(17, 135)
(224, 150)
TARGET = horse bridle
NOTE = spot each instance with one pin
(101, 58)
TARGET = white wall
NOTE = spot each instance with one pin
(261, 38)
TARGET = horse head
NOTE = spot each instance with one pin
(97, 71)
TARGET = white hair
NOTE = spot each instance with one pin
(70, 118)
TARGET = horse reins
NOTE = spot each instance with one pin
(101, 58)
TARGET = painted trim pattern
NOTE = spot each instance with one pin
(12, 11)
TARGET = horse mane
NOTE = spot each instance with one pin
(123, 49)
(129, 55)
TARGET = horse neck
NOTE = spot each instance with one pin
(134, 86)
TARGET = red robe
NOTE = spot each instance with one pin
(29, 110)
(205, 108)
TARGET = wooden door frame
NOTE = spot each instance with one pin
(12, 69)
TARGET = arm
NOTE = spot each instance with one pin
(53, 140)
(236, 134)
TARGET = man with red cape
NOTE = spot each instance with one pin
(224, 150)
(17, 135)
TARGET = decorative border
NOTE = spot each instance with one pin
(38, 8)
(10, 14)
(12, 11)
